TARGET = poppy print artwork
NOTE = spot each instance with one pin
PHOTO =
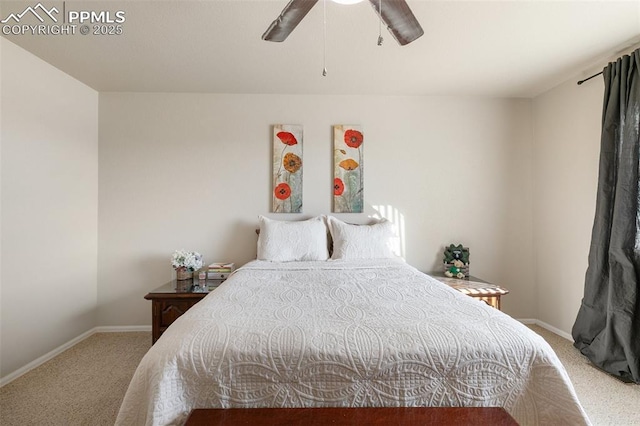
(348, 182)
(287, 168)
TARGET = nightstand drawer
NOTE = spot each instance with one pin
(170, 310)
(171, 301)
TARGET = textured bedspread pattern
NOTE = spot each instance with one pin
(346, 334)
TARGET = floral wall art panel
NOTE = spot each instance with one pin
(348, 179)
(287, 168)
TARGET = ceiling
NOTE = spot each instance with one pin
(471, 48)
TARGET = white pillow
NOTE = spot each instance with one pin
(286, 241)
(361, 241)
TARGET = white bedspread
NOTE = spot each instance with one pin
(347, 334)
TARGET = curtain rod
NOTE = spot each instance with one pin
(589, 78)
(620, 51)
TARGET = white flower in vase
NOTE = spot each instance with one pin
(190, 260)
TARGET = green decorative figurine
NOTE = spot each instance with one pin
(456, 261)
(455, 270)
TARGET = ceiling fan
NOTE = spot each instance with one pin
(395, 14)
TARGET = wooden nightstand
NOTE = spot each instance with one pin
(174, 299)
(474, 287)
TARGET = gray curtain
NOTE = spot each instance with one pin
(607, 329)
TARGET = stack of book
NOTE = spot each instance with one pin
(219, 271)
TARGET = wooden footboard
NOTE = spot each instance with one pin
(472, 416)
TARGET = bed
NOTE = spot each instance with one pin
(364, 332)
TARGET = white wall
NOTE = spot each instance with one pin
(193, 171)
(565, 169)
(49, 180)
(513, 179)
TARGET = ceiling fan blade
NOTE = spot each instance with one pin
(399, 19)
(288, 20)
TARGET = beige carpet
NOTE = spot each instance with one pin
(607, 400)
(85, 384)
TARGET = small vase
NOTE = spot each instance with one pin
(183, 274)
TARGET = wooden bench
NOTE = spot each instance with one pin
(467, 416)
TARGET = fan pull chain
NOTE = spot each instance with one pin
(324, 38)
(380, 39)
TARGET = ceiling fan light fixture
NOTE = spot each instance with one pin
(347, 1)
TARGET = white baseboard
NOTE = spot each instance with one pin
(44, 358)
(122, 328)
(57, 351)
(555, 330)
